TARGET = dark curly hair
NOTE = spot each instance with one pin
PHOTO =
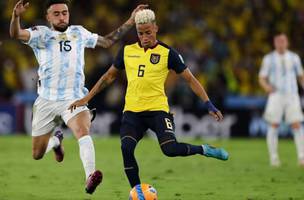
(51, 2)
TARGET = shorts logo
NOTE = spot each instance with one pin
(154, 59)
(34, 28)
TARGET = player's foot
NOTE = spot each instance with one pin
(93, 181)
(219, 153)
(59, 152)
(275, 162)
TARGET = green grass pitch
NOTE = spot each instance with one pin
(245, 176)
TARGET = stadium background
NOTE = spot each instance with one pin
(222, 42)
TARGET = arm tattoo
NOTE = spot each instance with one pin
(113, 37)
(102, 83)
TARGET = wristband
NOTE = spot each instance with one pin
(210, 106)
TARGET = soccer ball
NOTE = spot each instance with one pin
(143, 191)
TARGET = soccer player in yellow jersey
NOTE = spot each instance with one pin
(147, 64)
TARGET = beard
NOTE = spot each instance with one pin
(61, 28)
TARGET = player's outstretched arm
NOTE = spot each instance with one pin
(15, 30)
(102, 83)
(108, 40)
(199, 90)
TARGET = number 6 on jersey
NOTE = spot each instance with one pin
(141, 70)
(168, 123)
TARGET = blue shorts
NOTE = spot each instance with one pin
(135, 124)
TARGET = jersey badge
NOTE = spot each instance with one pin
(154, 59)
(63, 36)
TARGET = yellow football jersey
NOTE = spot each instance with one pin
(147, 71)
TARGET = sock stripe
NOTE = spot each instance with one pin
(129, 137)
(188, 151)
(165, 142)
(129, 168)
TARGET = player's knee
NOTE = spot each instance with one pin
(296, 126)
(275, 126)
(169, 149)
(82, 131)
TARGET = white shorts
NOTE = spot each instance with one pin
(283, 105)
(48, 114)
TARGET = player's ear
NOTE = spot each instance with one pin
(156, 28)
(47, 17)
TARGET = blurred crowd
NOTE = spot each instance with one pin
(222, 42)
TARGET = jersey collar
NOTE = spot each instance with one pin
(153, 47)
(66, 31)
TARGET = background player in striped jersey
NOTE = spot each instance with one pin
(278, 77)
(59, 50)
(147, 64)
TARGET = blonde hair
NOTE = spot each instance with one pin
(144, 16)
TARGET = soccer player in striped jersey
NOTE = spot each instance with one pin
(147, 64)
(59, 50)
(278, 76)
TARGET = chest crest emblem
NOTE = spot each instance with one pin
(154, 59)
(62, 36)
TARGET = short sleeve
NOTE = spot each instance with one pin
(265, 68)
(176, 61)
(36, 36)
(298, 65)
(119, 60)
(90, 39)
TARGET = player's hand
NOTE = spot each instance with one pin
(216, 115)
(78, 103)
(138, 8)
(269, 90)
(213, 111)
(20, 8)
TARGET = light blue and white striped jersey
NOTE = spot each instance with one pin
(61, 61)
(282, 71)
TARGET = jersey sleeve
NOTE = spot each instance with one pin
(90, 39)
(36, 36)
(119, 62)
(265, 68)
(298, 65)
(176, 61)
